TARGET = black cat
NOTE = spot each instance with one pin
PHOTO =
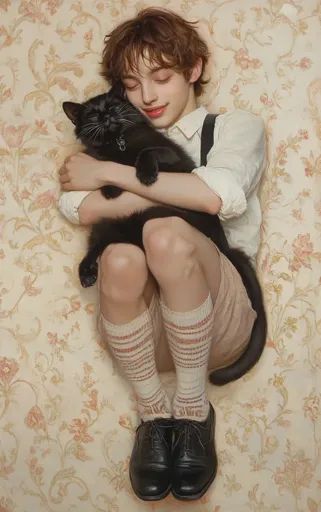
(111, 128)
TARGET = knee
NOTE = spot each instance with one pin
(123, 271)
(164, 242)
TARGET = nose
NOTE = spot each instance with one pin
(149, 94)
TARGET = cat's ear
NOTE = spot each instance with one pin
(118, 90)
(72, 110)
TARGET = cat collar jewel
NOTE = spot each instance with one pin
(121, 143)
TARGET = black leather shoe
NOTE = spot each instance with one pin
(194, 460)
(150, 462)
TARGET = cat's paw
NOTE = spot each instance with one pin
(88, 272)
(146, 176)
(146, 168)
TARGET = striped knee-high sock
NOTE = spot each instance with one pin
(133, 348)
(189, 337)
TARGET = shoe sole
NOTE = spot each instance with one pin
(156, 497)
(190, 497)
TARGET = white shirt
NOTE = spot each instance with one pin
(233, 171)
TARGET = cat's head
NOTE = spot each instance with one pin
(102, 118)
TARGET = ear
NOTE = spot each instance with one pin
(196, 71)
(118, 90)
(72, 110)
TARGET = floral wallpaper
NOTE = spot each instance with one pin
(67, 419)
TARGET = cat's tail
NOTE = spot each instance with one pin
(257, 340)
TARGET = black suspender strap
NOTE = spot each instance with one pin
(207, 136)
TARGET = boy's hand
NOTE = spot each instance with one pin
(83, 172)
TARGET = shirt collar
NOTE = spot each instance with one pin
(190, 123)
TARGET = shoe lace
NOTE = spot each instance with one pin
(188, 428)
(155, 433)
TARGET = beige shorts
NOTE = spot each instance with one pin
(233, 321)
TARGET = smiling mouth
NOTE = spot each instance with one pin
(154, 108)
(155, 112)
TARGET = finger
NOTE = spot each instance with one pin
(64, 172)
(64, 178)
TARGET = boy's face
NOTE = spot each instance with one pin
(161, 94)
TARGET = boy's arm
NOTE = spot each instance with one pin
(177, 189)
(236, 162)
(183, 190)
(95, 206)
(85, 208)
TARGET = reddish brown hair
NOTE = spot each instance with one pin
(169, 40)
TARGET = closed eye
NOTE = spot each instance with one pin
(94, 118)
(132, 88)
(163, 80)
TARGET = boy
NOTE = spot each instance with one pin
(180, 304)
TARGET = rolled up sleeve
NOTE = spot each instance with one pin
(69, 202)
(236, 161)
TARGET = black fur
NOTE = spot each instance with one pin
(112, 129)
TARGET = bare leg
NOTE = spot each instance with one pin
(184, 262)
(127, 286)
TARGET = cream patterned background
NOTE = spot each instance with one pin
(67, 419)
